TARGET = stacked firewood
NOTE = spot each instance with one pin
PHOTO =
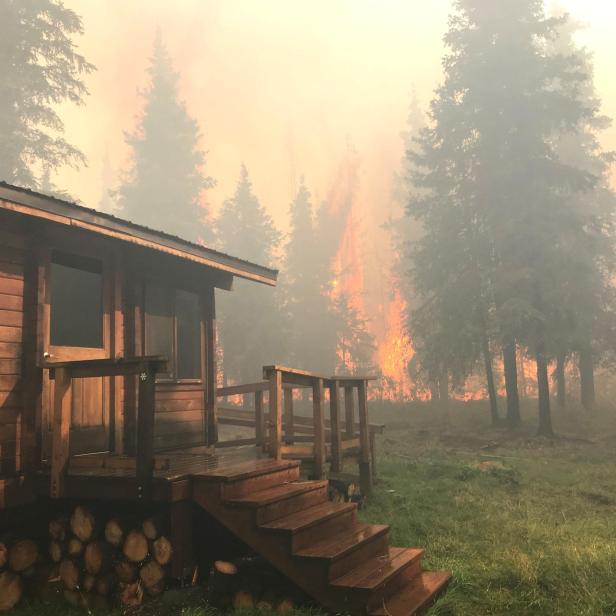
(249, 582)
(99, 562)
(18, 566)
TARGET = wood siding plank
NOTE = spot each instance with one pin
(11, 302)
(11, 318)
(10, 334)
(10, 350)
(11, 286)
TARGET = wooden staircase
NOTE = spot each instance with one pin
(345, 565)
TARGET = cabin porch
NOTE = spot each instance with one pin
(321, 444)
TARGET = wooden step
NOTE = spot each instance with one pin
(314, 524)
(345, 551)
(243, 479)
(380, 577)
(282, 500)
(415, 596)
(248, 469)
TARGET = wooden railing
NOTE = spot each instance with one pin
(314, 438)
(63, 374)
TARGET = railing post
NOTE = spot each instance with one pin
(289, 428)
(365, 474)
(319, 428)
(145, 431)
(334, 419)
(349, 413)
(275, 413)
(60, 446)
(259, 418)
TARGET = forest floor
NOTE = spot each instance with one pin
(527, 525)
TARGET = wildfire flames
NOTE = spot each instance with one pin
(395, 351)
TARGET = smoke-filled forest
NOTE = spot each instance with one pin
(434, 186)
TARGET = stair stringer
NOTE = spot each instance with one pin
(310, 576)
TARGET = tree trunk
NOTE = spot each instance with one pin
(587, 377)
(559, 376)
(443, 388)
(433, 392)
(511, 384)
(487, 359)
(543, 386)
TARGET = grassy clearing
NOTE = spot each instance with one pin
(526, 525)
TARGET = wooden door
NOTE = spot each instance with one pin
(76, 325)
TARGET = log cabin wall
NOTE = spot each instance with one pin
(18, 402)
(183, 404)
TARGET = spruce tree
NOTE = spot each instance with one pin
(303, 285)
(40, 68)
(164, 187)
(586, 318)
(250, 319)
(498, 215)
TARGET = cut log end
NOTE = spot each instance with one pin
(151, 574)
(83, 524)
(114, 532)
(70, 574)
(135, 547)
(11, 589)
(162, 550)
(97, 557)
(22, 555)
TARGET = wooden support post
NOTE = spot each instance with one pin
(259, 425)
(60, 445)
(373, 455)
(319, 428)
(334, 418)
(182, 561)
(289, 429)
(365, 474)
(275, 414)
(117, 383)
(145, 431)
(349, 413)
(212, 372)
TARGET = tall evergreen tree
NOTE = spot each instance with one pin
(250, 321)
(164, 187)
(39, 68)
(588, 265)
(498, 215)
(303, 284)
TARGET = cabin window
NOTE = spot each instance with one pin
(172, 329)
(76, 301)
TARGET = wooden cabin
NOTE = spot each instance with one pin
(108, 391)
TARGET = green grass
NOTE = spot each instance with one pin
(526, 525)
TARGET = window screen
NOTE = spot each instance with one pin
(76, 301)
(159, 324)
(188, 335)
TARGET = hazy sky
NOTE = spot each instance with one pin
(282, 85)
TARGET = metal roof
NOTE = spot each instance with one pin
(124, 230)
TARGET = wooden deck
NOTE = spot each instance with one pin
(109, 477)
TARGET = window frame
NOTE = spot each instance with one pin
(72, 353)
(173, 360)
